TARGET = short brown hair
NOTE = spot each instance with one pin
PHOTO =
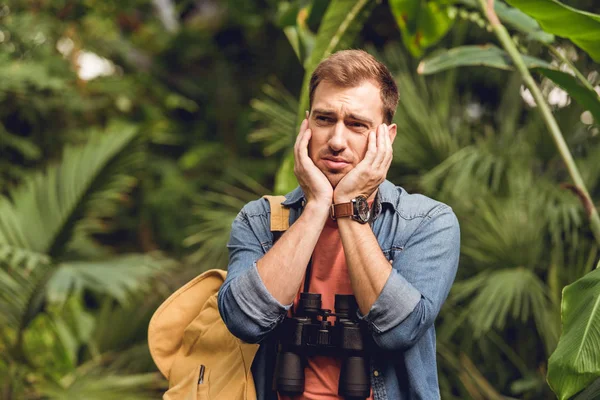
(349, 68)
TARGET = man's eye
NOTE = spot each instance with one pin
(323, 119)
(358, 125)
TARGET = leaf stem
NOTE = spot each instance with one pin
(582, 79)
(506, 41)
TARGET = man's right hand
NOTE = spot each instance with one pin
(314, 183)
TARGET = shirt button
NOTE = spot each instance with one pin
(375, 373)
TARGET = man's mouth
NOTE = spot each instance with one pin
(335, 163)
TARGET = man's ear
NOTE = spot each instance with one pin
(392, 129)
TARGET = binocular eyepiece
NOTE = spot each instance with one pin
(309, 333)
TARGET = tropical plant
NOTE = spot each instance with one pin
(50, 266)
(582, 368)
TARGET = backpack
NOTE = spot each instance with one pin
(192, 347)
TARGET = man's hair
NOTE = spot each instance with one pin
(349, 68)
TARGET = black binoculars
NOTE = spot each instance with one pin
(305, 335)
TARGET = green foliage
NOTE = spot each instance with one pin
(494, 57)
(76, 292)
(217, 210)
(583, 94)
(423, 24)
(41, 324)
(486, 55)
(516, 19)
(88, 179)
(276, 112)
(583, 28)
(500, 176)
(575, 363)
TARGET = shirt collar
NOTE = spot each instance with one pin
(388, 193)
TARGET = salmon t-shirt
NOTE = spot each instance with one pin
(329, 276)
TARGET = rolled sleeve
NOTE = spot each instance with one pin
(255, 300)
(249, 311)
(397, 300)
(421, 278)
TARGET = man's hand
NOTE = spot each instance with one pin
(371, 171)
(314, 183)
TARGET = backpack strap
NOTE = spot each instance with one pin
(280, 214)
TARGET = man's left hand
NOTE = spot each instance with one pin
(366, 177)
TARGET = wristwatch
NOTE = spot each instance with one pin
(357, 209)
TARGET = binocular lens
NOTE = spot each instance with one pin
(354, 379)
(310, 302)
(290, 380)
(345, 304)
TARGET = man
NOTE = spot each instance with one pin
(399, 266)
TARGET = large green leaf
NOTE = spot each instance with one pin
(581, 27)
(292, 19)
(422, 23)
(517, 20)
(492, 56)
(41, 214)
(576, 362)
(486, 55)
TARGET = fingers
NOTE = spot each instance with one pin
(371, 147)
(389, 154)
(301, 147)
(303, 127)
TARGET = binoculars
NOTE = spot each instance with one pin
(305, 335)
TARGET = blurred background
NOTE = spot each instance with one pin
(132, 132)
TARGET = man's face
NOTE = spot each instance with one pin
(340, 121)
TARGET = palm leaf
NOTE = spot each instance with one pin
(11, 256)
(275, 111)
(101, 385)
(216, 210)
(41, 215)
(504, 232)
(19, 294)
(117, 277)
(495, 296)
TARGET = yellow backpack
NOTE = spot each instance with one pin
(192, 347)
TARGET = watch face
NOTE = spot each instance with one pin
(362, 209)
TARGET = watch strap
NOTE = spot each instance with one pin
(342, 210)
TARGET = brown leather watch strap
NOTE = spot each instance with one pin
(342, 210)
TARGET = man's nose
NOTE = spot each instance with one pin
(337, 137)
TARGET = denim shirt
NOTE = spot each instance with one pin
(421, 239)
